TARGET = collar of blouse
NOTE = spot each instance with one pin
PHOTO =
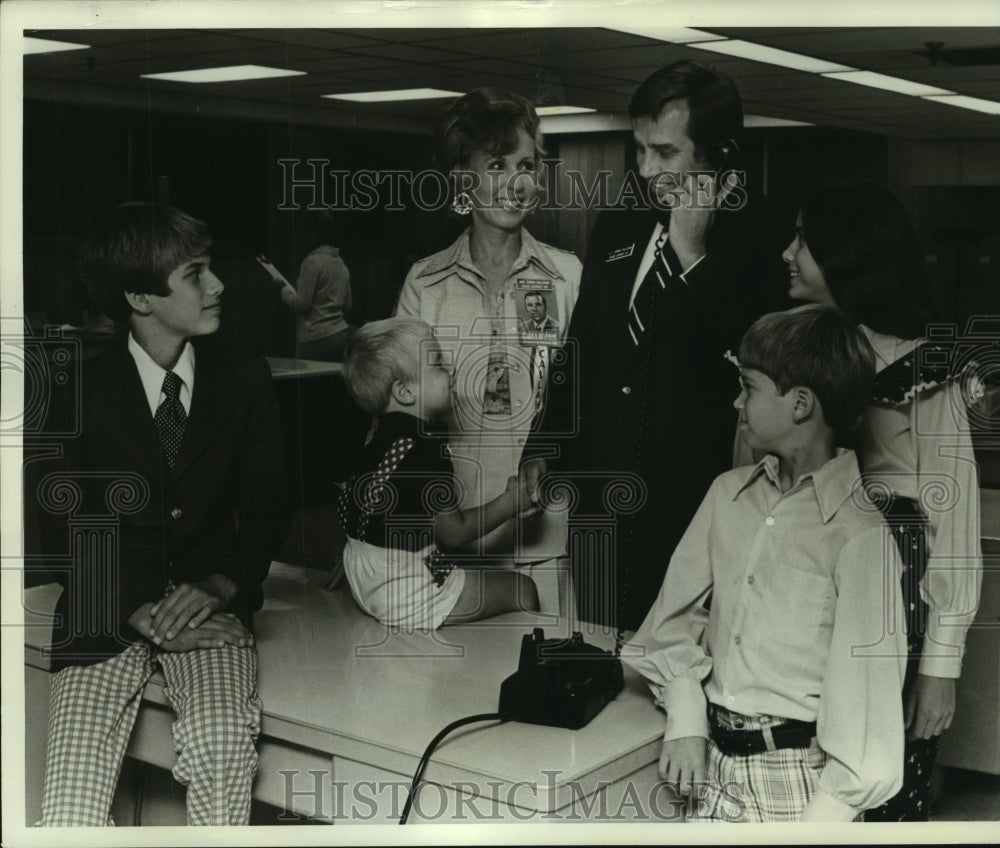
(457, 260)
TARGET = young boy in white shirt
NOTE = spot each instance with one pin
(782, 697)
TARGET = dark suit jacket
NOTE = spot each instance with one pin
(662, 411)
(133, 524)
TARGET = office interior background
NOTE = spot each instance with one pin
(101, 128)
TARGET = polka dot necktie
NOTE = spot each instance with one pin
(170, 418)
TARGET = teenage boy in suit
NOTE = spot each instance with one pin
(665, 292)
(193, 436)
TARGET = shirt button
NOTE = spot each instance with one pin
(738, 723)
(750, 579)
(731, 700)
(626, 390)
(737, 639)
(769, 521)
(176, 513)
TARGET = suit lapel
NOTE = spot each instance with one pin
(211, 402)
(119, 404)
(619, 262)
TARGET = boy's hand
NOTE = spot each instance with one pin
(930, 707)
(189, 606)
(221, 629)
(683, 762)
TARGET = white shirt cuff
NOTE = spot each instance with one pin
(825, 808)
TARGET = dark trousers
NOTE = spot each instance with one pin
(909, 528)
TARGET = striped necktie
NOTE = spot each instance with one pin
(665, 266)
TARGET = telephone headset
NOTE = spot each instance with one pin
(726, 153)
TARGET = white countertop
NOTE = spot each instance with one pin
(323, 689)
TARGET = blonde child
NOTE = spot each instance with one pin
(400, 513)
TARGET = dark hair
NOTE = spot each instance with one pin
(484, 119)
(535, 294)
(316, 228)
(135, 249)
(866, 246)
(714, 105)
(818, 347)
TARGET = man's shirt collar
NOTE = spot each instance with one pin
(152, 374)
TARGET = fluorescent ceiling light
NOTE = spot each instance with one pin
(772, 56)
(675, 35)
(590, 122)
(619, 121)
(44, 45)
(230, 73)
(977, 104)
(399, 94)
(755, 121)
(887, 83)
(562, 110)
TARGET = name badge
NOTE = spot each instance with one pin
(538, 318)
(621, 253)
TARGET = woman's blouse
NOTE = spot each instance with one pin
(918, 444)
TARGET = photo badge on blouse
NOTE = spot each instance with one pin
(538, 318)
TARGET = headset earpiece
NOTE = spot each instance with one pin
(727, 149)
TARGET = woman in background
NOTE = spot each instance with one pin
(321, 294)
(855, 249)
(473, 294)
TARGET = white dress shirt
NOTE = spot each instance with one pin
(152, 375)
(647, 263)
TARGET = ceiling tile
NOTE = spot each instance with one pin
(408, 53)
(592, 67)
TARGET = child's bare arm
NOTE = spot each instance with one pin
(461, 526)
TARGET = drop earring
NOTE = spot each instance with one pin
(461, 204)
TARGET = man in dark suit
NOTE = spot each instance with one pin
(173, 489)
(644, 388)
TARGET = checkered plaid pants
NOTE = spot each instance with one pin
(93, 708)
(773, 786)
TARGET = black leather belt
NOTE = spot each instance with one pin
(742, 743)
